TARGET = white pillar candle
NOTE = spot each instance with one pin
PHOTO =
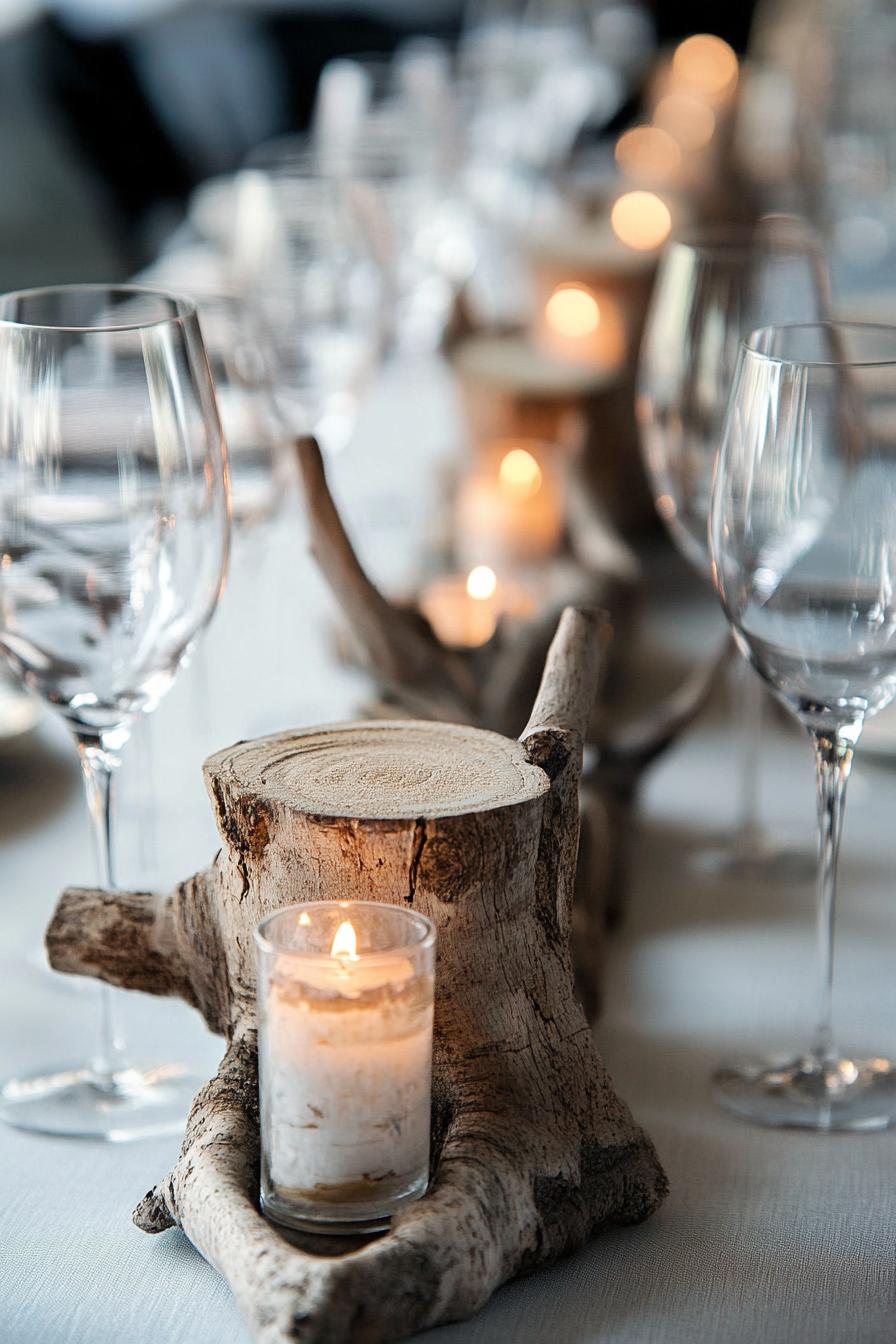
(345, 1048)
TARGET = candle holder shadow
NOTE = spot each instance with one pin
(493, 686)
(534, 1150)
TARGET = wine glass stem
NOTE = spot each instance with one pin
(748, 689)
(833, 762)
(98, 765)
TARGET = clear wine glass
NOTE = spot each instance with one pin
(114, 530)
(803, 545)
(712, 288)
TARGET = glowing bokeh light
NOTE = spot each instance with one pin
(648, 153)
(704, 64)
(572, 310)
(481, 583)
(641, 220)
(520, 474)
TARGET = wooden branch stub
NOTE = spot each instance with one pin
(399, 644)
(534, 1151)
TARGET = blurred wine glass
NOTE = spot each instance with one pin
(301, 258)
(242, 361)
(114, 528)
(803, 547)
(845, 131)
(711, 289)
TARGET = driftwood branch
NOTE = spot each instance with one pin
(400, 647)
(534, 1151)
(493, 687)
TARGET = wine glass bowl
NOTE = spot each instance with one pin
(803, 545)
(711, 289)
(242, 361)
(102, 591)
(301, 256)
(114, 534)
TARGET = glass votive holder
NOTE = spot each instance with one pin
(345, 1012)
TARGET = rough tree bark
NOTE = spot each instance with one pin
(492, 687)
(533, 1149)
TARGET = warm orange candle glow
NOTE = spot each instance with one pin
(648, 153)
(464, 609)
(573, 311)
(519, 474)
(688, 119)
(705, 65)
(481, 583)
(641, 220)
(345, 942)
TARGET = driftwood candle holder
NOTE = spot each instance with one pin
(493, 686)
(534, 1151)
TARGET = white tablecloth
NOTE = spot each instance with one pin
(786, 1238)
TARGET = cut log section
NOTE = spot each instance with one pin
(533, 1149)
(493, 686)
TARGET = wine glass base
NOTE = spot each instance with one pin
(798, 1091)
(757, 861)
(72, 1103)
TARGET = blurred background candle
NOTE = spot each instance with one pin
(574, 323)
(705, 65)
(464, 609)
(641, 220)
(510, 508)
(345, 1011)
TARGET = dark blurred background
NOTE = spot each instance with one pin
(112, 110)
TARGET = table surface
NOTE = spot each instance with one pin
(782, 1237)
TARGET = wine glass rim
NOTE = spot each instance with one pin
(185, 308)
(739, 240)
(751, 341)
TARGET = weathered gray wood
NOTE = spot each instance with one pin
(492, 687)
(534, 1151)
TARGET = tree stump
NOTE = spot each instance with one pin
(533, 1150)
(493, 686)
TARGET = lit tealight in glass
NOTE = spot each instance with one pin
(510, 512)
(462, 609)
(345, 1012)
(641, 220)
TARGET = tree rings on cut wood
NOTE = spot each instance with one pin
(385, 771)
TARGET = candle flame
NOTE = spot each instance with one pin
(520, 474)
(572, 311)
(641, 220)
(705, 64)
(345, 942)
(689, 120)
(481, 583)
